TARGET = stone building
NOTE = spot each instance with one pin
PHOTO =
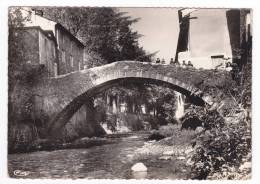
(70, 51)
(49, 43)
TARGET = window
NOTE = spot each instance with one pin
(63, 59)
(71, 61)
(63, 39)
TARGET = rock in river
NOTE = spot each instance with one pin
(168, 153)
(139, 167)
(180, 158)
(165, 158)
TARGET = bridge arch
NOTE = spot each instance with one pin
(66, 94)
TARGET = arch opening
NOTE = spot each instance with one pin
(86, 98)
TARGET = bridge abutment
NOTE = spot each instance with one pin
(94, 127)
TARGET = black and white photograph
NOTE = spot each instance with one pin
(129, 93)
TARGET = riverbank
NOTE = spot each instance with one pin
(48, 145)
(175, 149)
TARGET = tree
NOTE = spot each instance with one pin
(16, 20)
(158, 99)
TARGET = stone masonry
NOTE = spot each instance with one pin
(59, 98)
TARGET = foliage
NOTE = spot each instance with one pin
(21, 137)
(22, 123)
(100, 107)
(169, 130)
(15, 20)
(222, 149)
(162, 99)
(156, 98)
(93, 59)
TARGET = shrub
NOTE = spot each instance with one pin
(221, 146)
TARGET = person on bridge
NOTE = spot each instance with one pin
(184, 65)
(163, 61)
(190, 65)
(176, 62)
(171, 61)
(157, 60)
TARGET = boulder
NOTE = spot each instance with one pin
(139, 175)
(169, 153)
(181, 158)
(139, 167)
(199, 129)
(165, 158)
(152, 141)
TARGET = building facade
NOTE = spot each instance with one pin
(70, 51)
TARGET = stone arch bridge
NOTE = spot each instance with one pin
(61, 97)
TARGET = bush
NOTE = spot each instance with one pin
(226, 145)
(221, 146)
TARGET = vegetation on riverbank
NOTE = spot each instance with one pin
(175, 140)
(220, 147)
(47, 145)
(224, 152)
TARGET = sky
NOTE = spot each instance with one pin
(159, 27)
(211, 31)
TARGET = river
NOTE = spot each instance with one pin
(109, 161)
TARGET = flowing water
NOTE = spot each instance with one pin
(180, 106)
(110, 161)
